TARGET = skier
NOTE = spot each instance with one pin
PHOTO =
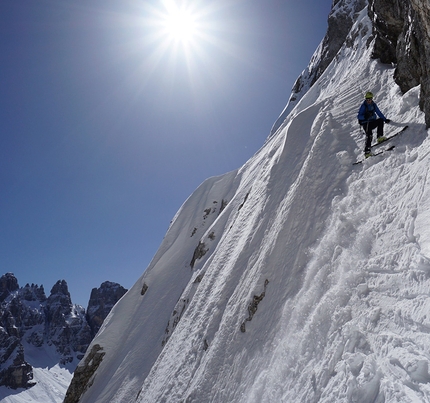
(367, 118)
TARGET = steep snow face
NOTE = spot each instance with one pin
(311, 285)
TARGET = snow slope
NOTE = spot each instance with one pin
(51, 386)
(51, 379)
(315, 283)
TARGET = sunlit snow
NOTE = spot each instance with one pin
(337, 256)
(51, 379)
(300, 277)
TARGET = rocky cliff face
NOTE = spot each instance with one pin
(20, 312)
(65, 325)
(401, 33)
(402, 36)
(340, 21)
(29, 319)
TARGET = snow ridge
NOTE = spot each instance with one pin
(313, 282)
(340, 21)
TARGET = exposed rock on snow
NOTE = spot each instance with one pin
(17, 373)
(199, 252)
(144, 289)
(83, 376)
(252, 307)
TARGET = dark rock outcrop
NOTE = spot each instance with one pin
(19, 373)
(101, 302)
(340, 21)
(82, 377)
(252, 307)
(199, 252)
(402, 37)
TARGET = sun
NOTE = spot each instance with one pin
(183, 35)
(181, 25)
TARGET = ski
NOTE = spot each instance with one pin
(374, 155)
(389, 138)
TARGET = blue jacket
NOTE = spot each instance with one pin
(368, 112)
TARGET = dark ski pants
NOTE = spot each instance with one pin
(368, 128)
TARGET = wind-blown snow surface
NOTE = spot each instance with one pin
(337, 256)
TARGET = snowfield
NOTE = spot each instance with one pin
(312, 284)
(51, 386)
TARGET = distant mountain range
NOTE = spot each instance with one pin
(52, 330)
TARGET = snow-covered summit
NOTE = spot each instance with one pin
(297, 278)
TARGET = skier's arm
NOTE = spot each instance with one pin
(380, 114)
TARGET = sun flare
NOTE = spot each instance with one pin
(183, 33)
(180, 25)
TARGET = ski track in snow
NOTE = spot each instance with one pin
(337, 256)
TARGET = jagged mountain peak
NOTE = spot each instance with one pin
(33, 292)
(42, 339)
(8, 284)
(101, 301)
(60, 288)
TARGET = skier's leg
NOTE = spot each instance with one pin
(380, 130)
(369, 137)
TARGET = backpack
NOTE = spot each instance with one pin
(370, 111)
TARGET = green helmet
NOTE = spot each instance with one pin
(369, 95)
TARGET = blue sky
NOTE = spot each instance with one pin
(106, 127)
